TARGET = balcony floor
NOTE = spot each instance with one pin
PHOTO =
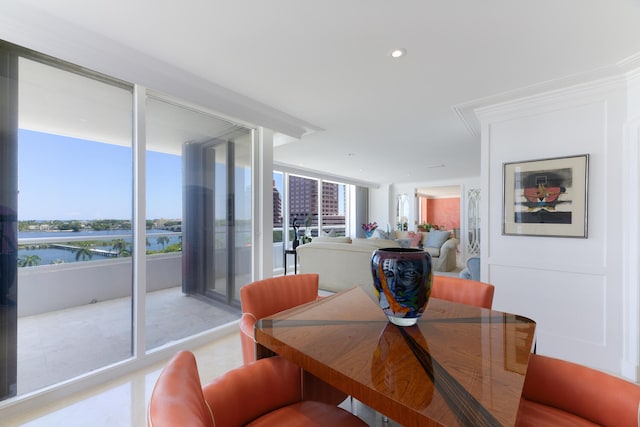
(60, 345)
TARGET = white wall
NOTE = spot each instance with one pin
(573, 288)
(53, 287)
(631, 236)
(381, 205)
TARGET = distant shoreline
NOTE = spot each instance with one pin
(34, 234)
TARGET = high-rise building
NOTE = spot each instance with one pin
(277, 207)
(303, 198)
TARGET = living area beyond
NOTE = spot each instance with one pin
(343, 262)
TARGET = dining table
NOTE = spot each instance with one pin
(460, 365)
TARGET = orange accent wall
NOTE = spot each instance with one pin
(444, 212)
(423, 210)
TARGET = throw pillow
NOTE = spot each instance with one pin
(415, 239)
(390, 235)
(436, 238)
(331, 233)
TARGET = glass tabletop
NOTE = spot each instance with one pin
(460, 365)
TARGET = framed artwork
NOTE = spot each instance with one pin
(546, 197)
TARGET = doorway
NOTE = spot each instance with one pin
(217, 221)
(440, 207)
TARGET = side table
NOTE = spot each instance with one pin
(295, 260)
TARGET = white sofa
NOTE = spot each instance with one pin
(343, 265)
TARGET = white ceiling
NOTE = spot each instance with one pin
(327, 63)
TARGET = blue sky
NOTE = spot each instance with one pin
(68, 178)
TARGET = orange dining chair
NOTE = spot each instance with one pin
(266, 297)
(264, 393)
(561, 393)
(465, 291)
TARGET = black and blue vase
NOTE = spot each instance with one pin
(402, 280)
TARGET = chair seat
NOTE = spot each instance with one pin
(308, 414)
(532, 414)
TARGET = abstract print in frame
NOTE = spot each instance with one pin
(546, 197)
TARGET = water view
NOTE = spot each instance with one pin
(52, 248)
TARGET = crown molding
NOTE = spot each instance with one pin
(618, 73)
(630, 63)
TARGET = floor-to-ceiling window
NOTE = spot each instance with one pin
(306, 207)
(70, 221)
(74, 176)
(282, 232)
(303, 205)
(334, 204)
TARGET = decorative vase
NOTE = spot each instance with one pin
(369, 233)
(402, 279)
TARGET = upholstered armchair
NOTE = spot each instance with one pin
(472, 271)
(441, 245)
(263, 298)
(557, 392)
(263, 393)
(266, 297)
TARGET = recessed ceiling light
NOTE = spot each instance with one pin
(397, 53)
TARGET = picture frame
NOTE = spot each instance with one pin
(546, 197)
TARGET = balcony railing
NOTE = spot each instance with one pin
(56, 286)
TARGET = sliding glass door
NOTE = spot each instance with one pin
(68, 283)
(66, 197)
(215, 216)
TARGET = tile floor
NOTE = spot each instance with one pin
(123, 402)
(59, 345)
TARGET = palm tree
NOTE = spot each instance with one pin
(29, 261)
(84, 251)
(162, 240)
(121, 247)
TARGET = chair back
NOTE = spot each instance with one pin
(465, 291)
(265, 297)
(250, 391)
(557, 390)
(267, 392)
(177, 398)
